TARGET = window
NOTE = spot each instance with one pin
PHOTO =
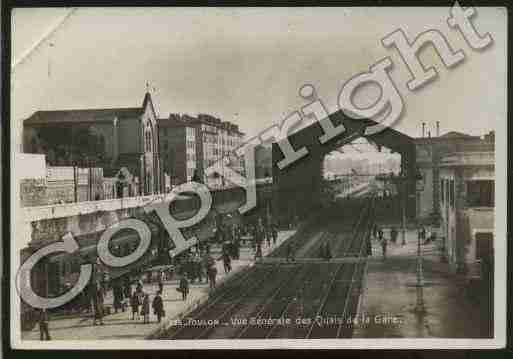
(451, 192)
(442, 190)
(481, 193)
(484, 245)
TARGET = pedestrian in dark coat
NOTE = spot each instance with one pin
(117, 292)
(158, 306)
(134, 303)
(384, 247)
(227, 262)
(274, 232)
(198, 267)
(43, 325)
(380, 234)
(139, 286)
(183, 287)
(98, 305)
(212, 273)
(236, 248)
(258, 252)
(422, 233)
(145, 309)
(393, 235)
(127, 288)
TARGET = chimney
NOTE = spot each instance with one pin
(423, 129)
(437, 128)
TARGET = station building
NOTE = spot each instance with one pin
(467, 201)
(111, 139)
(457, 196)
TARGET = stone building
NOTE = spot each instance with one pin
(430, 150)
(106, 138)
(467, 201)
(458, 194)
(177, 138)
(190, 145)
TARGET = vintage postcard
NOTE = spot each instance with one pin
(258, 177)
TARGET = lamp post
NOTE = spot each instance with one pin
(419, 307)
(403, 216)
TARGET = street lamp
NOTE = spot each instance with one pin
(403, 217)
(419, 307)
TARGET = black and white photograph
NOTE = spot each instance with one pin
(257, 177)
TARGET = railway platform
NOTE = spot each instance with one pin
(390, 296)
(120, 326)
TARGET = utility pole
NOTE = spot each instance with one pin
(75, 181)
(403, 220)
(419, 308)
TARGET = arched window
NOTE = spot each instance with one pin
(148, 139)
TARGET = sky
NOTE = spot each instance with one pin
(246, 65)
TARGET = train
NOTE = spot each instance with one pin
(54, 274)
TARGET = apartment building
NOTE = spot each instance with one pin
(189, 145)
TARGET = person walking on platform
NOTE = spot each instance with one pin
(258, 252)
(117, 292)
(183, 287)
(160, 281)
(421, 235)
(208, 262)
(145, 309)
(189, 269)
(268, 237)
(158, 306)
(198, 267)
(43, 325)
(98, 304)
(380, 234)
(384, 247)
(127, 287)
(134, 303)
(236, 248)
(393, 235)
(274, 233)
(227, 262)
(139, 285)
(212, 273)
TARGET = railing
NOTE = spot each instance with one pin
(79, 208)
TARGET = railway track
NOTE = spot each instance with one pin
(287, 299)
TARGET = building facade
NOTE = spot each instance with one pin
(467, 201)
(457, 195)
(430, 151)
(104, 138)
(190, 145)
(178, 148)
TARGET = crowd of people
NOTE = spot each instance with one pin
(424, 237)
(196, 265)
